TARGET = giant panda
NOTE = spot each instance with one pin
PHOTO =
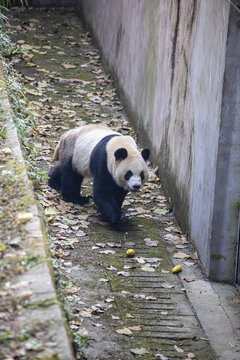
(113, 161)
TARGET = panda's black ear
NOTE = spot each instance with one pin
(145, 154)
(121, 154)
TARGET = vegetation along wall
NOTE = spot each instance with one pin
(169, 59)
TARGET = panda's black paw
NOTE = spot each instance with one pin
(117, 218)
(83, 200)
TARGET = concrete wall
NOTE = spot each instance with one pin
(227, 187)
(168, 59)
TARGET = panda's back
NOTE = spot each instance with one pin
(88, 137)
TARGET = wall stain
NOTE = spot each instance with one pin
(192, 19)
(174, 43)
(118, 39)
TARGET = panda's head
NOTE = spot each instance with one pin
(127, 165)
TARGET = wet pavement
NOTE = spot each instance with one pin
(117, 307)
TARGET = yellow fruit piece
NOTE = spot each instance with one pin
(176, 269)
(130, 252)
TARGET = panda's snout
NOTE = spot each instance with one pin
(136, 187)
(134, 183)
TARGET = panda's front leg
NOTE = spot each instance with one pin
(108, 207)
(107, 203)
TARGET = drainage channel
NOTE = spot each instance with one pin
(117, 307)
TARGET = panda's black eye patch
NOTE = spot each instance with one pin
(142, 175)
(128, 175)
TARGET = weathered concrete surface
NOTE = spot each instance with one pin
(88, 253)
(31, 322)
(210, 310)
(168, 59)
(227, 192)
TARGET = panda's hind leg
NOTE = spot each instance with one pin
(71, 183)
(55, 177)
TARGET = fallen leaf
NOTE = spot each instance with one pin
(86, 313)
(80, 233)
(112, 245)
(139, 351)
(151, 260)
(111, 268)
(147, 268)
(189, 263)
(124, 273)
(167, 285)
(140, 210)
(70, 113)
(135, 328)
(130, 243)
(129, 316)
(139, 296)
(180, 255)
(236, 301)
(189, 279)
(161, 211)
(101, 245)
(103, 280)
(151, 243)
(97, 309)
(108, 300)
(165, 271)
(162, 357)
(115, 317)
(180, 240)
(50, 211)
(169, 237)
(194, 256)
(68, 66)
(163, 312)
(107, 252)
(173, 228)
(140, 260)
(124, 331)
(24, 217)
(20, 284)
(178, 349)
(129, 267)
(151, 298)
(82, 332)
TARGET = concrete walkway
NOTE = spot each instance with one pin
(116, 307)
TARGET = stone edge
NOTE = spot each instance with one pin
(42, 275)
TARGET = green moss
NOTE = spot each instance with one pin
(6, 337)
(217, 257)
(42, 304)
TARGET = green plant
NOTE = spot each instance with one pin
(9, 3)
(80, 341)
(7, 336)
(2, 133)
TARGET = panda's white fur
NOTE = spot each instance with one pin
(82, 141)
(112, 159)
(88, 137)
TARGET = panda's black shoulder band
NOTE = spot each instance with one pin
(99, 155)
